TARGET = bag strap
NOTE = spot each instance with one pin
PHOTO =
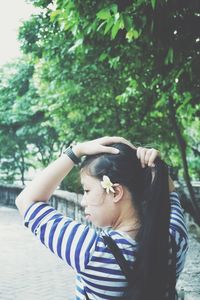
(124, 265)
(127, 271)
(87, 298)
(119, 258)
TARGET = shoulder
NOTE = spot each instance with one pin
(124, 242)
(177, 220)
(174, 198)
(120, 237)
(69, 239)
(178, 229)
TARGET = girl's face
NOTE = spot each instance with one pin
(99, 206)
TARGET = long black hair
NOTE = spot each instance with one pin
(151, 200)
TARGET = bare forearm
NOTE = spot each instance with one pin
(42, 187)
(44, 184)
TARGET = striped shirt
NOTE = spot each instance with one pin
(83, 248)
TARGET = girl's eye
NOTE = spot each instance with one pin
(86, 191)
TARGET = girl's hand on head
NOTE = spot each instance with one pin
(147, 156)
(100, 145)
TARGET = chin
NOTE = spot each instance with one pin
(103, 225)
(97, 224)
(100, 223)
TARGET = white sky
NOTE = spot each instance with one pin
(12, 12)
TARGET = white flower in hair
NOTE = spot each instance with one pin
(107, 184)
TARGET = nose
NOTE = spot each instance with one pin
(83, 201)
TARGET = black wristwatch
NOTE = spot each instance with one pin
(70, 153)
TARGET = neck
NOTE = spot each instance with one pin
(132, 227)
(127, 219)
(129, 223)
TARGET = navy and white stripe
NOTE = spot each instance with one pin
(83, 248)
(178, 231)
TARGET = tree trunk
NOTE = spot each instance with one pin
(182, 146)
(22, 169)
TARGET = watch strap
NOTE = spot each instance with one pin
(70, 153)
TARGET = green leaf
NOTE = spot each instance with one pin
(117, 16)
(55, 14)
(127, 22)
(161, 102)
(135, 34)
(114, 62)
(185, 102)
(78, 43)
(101, 25)
(132, 34)
(109, 25)
(169, 57)
(153, 3)
(121, 23)
(115, 29)
(114, 8)
(103, 56)
(104, 14)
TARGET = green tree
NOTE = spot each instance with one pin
(121, 67)
(25, 132)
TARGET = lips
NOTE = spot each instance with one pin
(87, 215)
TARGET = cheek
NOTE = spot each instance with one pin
(96, 198)
(102, 215)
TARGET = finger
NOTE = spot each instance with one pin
(138, 152)
(141, 155)
(115, 139)
(106, 140)
(147, 156)
(154, 153)
(129, 144)
(112, 150)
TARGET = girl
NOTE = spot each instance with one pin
(128, 194)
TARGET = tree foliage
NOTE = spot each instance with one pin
(25, 132)
(119, 67)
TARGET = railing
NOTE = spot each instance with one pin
(69, 204)
(65, 202)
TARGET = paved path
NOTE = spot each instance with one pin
(189, 280)
(29, 271)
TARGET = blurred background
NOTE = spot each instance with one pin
(75, 70)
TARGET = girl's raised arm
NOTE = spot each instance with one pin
(43, 186)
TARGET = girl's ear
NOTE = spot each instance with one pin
(119, 192)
